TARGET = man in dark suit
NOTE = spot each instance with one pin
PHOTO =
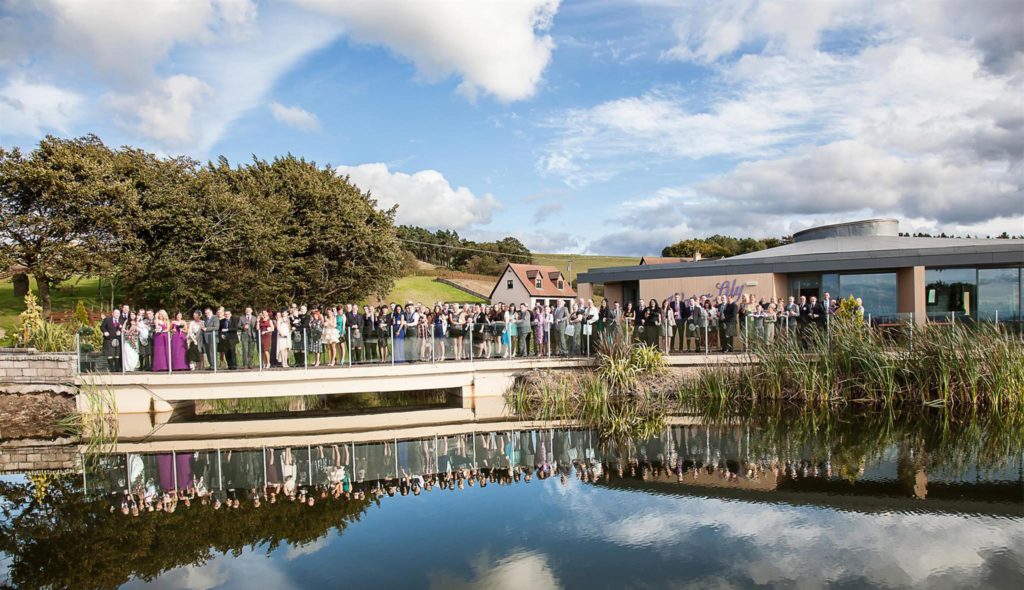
(211, 326)
(111, 328)
(248, 335)
(229, 339)
(731, 317)
(355, 325)
(806, 320)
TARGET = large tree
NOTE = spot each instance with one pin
(64, 210)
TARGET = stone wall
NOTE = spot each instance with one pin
(22, 456)
(26, 365)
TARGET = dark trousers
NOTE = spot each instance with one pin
(114, 364)
(146, 356)
(248, 351)
(230, 348)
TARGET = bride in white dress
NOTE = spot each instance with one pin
(284, 338)
(130, 351)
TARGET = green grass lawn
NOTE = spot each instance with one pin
(63, 298)
(582, 263)
(423, 289)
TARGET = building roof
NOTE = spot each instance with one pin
(549, 275)
(832, 254)
(663, 260)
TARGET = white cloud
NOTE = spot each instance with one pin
(496, 47)
(31, 108)
(913, 122)
(295, 117)
(164, 112)
(424, 198)
(125, 40)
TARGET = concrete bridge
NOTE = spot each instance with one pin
(141, 392)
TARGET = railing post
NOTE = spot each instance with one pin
(259, 345)
(123, 370)
(433, 346)
(707, 349)
(174, 466)
(348, 330)
(305, 351)
(309, 463)
(220, 473)
(472, 329)
(392, 345)
(170, 357)
(265, 482)
(78, 354)
(216, 337)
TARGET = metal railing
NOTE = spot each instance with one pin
(382, 344)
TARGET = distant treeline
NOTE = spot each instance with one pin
(447, 249)
(723, 246)
(718, 246)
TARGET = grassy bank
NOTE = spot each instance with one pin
(63, 297)
(425, 290)
(580, 263)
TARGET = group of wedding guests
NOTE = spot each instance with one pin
(298, 336)
(704, 323)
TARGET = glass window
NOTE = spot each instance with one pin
(508, 284)
(951, 289)
(830, 285)
(807, 286)
(998, 292)
(877, 291)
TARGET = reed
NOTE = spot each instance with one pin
(963, 366)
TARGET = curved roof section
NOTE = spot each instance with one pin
(836, 254)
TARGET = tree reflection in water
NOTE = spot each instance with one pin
(68, 537)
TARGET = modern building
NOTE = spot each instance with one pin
(531, 284)
(895, 276)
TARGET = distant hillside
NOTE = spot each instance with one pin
(582, 263)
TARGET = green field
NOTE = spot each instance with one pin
(423, 289)
(63, 298)
(582, 263)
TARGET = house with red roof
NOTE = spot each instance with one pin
(531, 284)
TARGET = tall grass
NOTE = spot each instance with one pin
(964, 366)
(97, 427)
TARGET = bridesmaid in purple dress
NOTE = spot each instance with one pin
(179, 344)
(165, 470)
(183, 462)
(161, 342)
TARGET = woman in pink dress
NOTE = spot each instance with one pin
(179, 343)
(161, 342)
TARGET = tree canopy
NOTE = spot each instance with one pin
(721, 246)
(175, 233)
(446, 248)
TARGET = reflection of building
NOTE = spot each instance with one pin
(868, 259)
(531, 284)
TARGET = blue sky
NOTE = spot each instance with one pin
(613, 127)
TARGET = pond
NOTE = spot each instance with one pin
(778, 500)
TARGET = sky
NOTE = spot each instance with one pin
(597, 126)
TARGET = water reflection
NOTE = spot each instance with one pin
(524, 506)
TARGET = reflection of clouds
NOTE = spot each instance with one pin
(249, 570)
(770, 544)
(520, 569)
(296, 551)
